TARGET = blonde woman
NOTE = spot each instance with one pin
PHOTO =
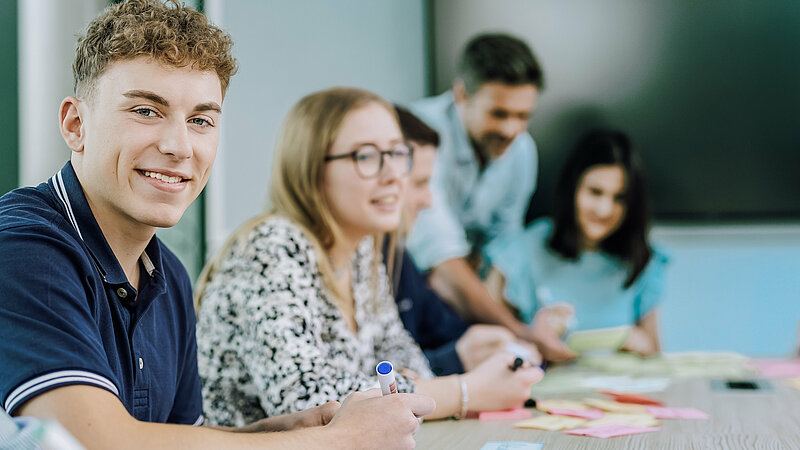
(297, 310)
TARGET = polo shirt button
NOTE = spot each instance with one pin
(141, 364)
(122, 293)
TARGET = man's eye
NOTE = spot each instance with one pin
(145, 112)
(201, 122)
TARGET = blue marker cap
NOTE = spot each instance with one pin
(384, 368)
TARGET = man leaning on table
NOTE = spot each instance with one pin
(485, 172)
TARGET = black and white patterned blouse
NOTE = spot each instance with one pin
(271, 339)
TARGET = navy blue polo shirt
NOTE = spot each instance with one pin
(431, 321)
(68, 315)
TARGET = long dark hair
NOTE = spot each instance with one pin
(629, 241)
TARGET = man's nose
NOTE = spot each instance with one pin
(175, 140)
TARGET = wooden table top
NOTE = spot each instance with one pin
(767, 419)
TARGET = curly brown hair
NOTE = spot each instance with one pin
(170, 33)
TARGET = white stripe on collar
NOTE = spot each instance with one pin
(61, 191)
(148, 264)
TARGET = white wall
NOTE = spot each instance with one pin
(733, 287)
(48, 31)
(287, 49)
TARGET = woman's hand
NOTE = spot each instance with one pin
(640, 342)
(549, 325)
(493, 386)
(481, 341)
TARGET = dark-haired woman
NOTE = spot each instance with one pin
(593, 258)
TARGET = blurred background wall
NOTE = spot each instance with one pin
(706, 89)
(287, 50)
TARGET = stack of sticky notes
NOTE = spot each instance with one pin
(788, 369)
(600, 417)
(777, 368)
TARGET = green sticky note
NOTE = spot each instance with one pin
(598, 339)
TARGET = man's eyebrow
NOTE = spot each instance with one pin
(152, 96)
(209, 106)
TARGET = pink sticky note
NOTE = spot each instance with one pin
(591, 414)
(611, 430)
(507, 414)
(676, 413)
(627, 397)
(777, 368)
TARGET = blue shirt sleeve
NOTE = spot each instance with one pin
(50, 338)
(651, 284)
(444, 360)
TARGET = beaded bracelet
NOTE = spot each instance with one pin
(464, 398)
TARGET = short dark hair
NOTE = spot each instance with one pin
(501, 58)
(414, 129)
(629, 242)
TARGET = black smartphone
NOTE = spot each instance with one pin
(760, 386)
(742, 384)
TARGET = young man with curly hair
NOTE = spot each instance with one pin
(97, 319)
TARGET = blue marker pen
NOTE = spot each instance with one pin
(386, 377)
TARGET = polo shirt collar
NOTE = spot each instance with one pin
(70, 195)
(462, 147)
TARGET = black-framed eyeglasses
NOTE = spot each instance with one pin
(369, 159)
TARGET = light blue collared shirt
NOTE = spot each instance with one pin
(469, 207)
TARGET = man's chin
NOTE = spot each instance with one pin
(497, 150)
(164, 220)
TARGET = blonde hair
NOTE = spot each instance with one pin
(296, 190)
(171, 34)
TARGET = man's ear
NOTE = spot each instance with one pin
(71, 123)
(459, 92)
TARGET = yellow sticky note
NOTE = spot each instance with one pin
(554, 403)
(636, 420)
(615, 407)
(599, 339)
(551, 423)
(792, 382)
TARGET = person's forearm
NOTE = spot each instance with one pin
(177, 436)
(268, 425)
(652, 346)
(446, 391)
(135, 435)
(459, 279)
(649, 325)
(106, 424)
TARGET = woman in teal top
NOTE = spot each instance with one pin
(592, 258)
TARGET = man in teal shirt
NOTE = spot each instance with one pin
(485, 172)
